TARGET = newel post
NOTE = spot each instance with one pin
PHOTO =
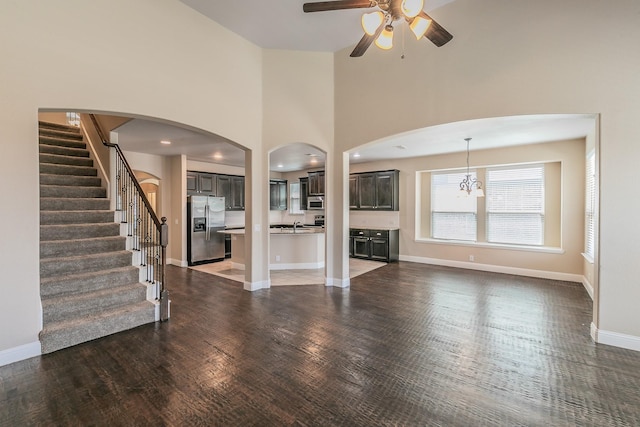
(164, 293)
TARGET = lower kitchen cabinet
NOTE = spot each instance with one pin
(378, 245)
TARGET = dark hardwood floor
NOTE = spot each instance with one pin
(406, 345)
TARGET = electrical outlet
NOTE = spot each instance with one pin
(277, 257)
(472, 258)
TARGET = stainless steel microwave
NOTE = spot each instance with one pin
(315, 203)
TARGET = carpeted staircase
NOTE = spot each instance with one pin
(88, 285)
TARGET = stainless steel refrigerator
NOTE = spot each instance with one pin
(206, 218)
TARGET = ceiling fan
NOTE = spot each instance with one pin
(378, 25)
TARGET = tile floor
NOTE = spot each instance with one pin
(288, 277)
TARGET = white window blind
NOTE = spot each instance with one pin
(453, 212)
(590, 204)
(515, 205)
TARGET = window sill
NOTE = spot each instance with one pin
(588, 258)
(539, 249)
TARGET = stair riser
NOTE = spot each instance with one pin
(75, 217)
(62, 142)
(69, 180)
(54, 339)
(65, 160)
(55, 267)
(61, 133)
(55, 204)
(63, 151)
(95, 281)
(74, 231)
(49, 168)
(72, 191)
(62, 248)
(54, 310)
(42, 125)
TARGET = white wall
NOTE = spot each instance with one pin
(511, 58)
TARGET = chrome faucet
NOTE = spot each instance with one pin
(295, 225)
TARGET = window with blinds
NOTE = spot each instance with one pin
(453, 213)
(515, 205)
(590, 205)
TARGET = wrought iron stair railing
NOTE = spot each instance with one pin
(148, 233)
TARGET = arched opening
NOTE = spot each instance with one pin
(564, 146)
(297, 242)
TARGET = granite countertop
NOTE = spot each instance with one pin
(373, 227)
(298, 232)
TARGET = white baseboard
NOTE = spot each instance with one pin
(337, 283)
(588, 286)
(177, 262)
(255, 286)
(630, 342)
(22, 352)
(553, 275)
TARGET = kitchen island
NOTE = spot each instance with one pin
(290, 249)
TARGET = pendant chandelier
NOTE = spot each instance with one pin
(469, 183)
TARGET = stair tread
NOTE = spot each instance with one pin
(116, 312)
(85, 275)
(76, 257)
(91, 294)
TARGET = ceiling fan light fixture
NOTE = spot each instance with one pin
(419, 26)
(385, 40)
(411, 8)
(372, 21)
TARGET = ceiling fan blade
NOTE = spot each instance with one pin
(321, 6)
(436, 32)
(365, 42)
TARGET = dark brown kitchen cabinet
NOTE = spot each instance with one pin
(207, 183)
(304, 192)
(278, 194)
(237, 193)
(201, 183)
(353, 192)
(379, 245)
(223, 189)
(231, 187)
(377, 190)
(316, 183)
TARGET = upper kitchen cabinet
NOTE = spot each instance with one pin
(316, 183)
(201, 182)
(231, 187)
(304, 192)
(278, 194)
(377, 190)
(237, 193)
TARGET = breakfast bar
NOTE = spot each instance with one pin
(290, 248)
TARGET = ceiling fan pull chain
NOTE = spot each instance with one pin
(403, 30)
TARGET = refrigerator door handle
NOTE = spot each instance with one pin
(206, 222)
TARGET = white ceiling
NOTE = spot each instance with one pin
(279, 24)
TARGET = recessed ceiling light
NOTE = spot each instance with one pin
(217, 156)
(356, 155)
(313, 161)
(165, 142)
(280, 165)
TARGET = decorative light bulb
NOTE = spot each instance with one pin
(385, 40)
(371, 22)
(419, 26)
(411, 8)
